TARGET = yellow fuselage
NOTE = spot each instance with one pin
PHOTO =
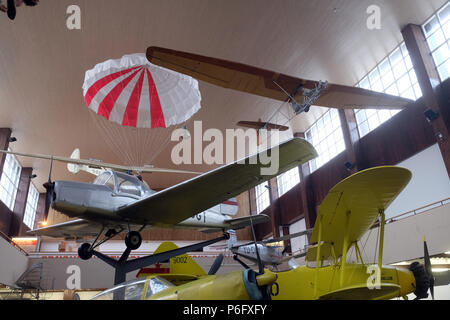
(306, 283)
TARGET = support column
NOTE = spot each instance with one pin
(274, 210)
(21, 202)
(5, 134)
(351, 136)
(40, 211)
(287, 243)
(428, 80)
(308, 207)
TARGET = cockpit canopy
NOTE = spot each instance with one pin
(140, 289)
(122, 183)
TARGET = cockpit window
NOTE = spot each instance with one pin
(105, 179)
(156, 285)
(134, 289)
(128, 187)
(128, 184)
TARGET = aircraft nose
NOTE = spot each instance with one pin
(406, 281)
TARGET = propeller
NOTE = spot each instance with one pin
(49, 187)
(423, 275)
(426, 258)
(216, 265)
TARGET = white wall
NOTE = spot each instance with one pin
(429, 183)
(403, 239)
(13, 263)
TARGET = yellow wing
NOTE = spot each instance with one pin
(360, 197)
(362, 292)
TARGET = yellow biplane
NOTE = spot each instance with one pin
(349, 210)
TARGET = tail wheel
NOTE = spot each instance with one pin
(84, 251)
(133, 240)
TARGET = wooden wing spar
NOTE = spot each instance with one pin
(241, 77)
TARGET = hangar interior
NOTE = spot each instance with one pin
(43, 111)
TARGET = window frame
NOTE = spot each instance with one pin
(9, 180)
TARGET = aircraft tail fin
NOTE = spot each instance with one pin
(72, 167)
(177, 269)
(233, 239)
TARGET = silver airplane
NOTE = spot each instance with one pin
(269, 255)
(117, 201)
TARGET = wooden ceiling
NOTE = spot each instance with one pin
(42, 63)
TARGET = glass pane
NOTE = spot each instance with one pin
(444, 14)
(404, 50)
(446, 29)
(417, 90)
(384, 115)
(431, 26)
(361, 116)
(436, 39)
(441, 54)
(403, 83)
(395, 57)
(377, 86)
(409, 94)
(392, 90)
(374, 122)
(384, 67)
(408, 62)
(444, 70)
(413, 77)
(365, 83)
(399, 70)
(374, 76)
(388, 79)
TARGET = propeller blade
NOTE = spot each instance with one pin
(427, 262)
(50, 172)
(49, 187)
(216, 265)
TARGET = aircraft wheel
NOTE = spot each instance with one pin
(84, 251)
(133, 240)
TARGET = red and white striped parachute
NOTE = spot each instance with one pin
(133, 92)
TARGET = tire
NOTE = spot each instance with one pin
(84, 251)
(133, 240)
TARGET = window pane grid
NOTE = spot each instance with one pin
(262, 197)
(326, 137)
(397, 77)
(437, 34)
(9, 181)
(30, 209)
(288, 180)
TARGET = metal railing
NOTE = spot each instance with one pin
(414, 212)
(418, 210)
(15, 245)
